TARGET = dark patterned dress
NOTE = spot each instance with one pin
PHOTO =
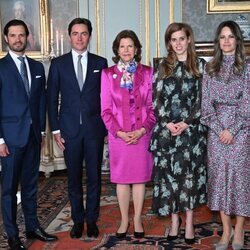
(226, 105)
(179, 172)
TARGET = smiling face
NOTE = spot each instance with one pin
(16, 39)
(126, 50)
(227, 41)
(79, 37)
(179, 43)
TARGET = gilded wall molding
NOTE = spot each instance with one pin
(103, 27)
(171, 11)
(157, 28)
(97, 18)
(100, 17)
(147, 60)
(140, 20)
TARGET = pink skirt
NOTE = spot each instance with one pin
(130, 164)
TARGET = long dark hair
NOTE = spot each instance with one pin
(213, 67)
(168, 64)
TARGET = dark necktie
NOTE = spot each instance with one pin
(24, 75)
(79, 72)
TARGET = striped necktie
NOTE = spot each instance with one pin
(24, 74)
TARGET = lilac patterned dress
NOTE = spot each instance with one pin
(226, 105)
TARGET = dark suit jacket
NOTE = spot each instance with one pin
(17, 110)
(62, 80)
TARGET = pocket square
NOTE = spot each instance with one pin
(96, 70)
(38, 76)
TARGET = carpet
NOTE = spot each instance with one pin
(52, 199)
(54, 215)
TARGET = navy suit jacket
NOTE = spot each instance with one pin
(64, 91)
(17, 110)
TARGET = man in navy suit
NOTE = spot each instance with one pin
(74, 82)
(22, 122)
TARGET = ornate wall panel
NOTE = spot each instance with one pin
(204, 24)
(147, 18)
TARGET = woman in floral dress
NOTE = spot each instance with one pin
(226, 111)
(179, 140)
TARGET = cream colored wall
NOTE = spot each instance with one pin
(148, 18)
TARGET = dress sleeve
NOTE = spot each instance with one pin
(160, 102)
(106, 104)
(208, 112)
(195, 114)
(242, 119)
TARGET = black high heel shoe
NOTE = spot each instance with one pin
(122, 235)
(174, 237)
(190, 241)
(139, 235)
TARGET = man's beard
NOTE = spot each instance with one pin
(18, 48)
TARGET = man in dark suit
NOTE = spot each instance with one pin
(22, 122)
(74, 81)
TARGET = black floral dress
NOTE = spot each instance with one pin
(179, 172)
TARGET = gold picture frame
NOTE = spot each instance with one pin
(36, 20)
(227, 6)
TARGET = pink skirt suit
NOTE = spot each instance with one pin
(127, 110)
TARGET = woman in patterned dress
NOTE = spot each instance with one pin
(179, 140)
(226, 111)
(127, 112)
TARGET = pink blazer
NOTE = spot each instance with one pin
(115, 100)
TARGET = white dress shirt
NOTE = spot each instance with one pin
(84, 61)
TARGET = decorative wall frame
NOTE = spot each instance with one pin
(36, 20)
(227, 6)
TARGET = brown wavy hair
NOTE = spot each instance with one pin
(116, 43)
(213, 67)
(169, 62)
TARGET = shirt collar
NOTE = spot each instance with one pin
(14, 55)
(75, 54)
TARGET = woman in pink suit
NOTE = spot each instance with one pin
(126, 103)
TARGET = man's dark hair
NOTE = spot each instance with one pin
(15, 22)
(79, 20)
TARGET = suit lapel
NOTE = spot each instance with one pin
(14, 70)
(90, 68)
(70, 68)
(138, 77)
(32, 76)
